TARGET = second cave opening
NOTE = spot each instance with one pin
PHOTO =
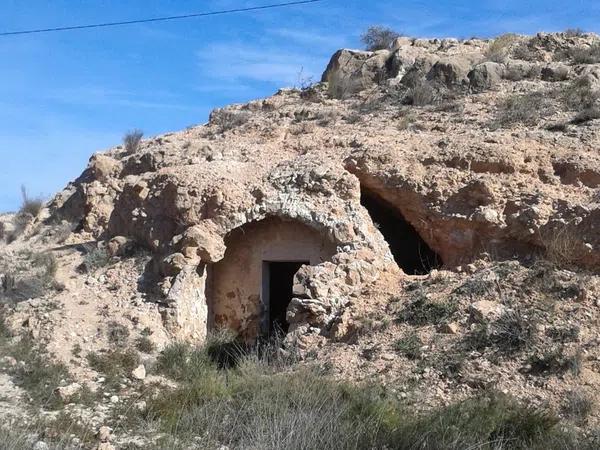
(410, 251)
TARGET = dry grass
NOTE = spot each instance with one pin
(562, 247)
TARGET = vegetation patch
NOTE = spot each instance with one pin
(254, 405)
(409, 346)
(421, 312)
(525, 109)
(555, 362)
(114, 364)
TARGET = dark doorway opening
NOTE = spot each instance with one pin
(278, 282)
(410, 251)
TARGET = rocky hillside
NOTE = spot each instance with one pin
(443, 196)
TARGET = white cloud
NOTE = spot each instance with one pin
(244, 63)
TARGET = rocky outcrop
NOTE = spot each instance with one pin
(306, 157)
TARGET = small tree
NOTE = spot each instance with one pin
(378, 38)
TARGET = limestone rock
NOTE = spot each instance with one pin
(450, 71)
(351, 71)
(119, 246)
(486, 310)
(485, 75)
(555, 72)
(139, 373)
(104, 433)
(66, 393)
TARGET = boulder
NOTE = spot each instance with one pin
(351, 71)
(450, 71)
(486, 75)
(119, 246)
(205, 242)
(555, 72)
(520, 70)
(139, 373)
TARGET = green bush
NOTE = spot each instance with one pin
(409, 346)
(114, 364)
(144, 344)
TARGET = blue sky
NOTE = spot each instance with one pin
(64, 96)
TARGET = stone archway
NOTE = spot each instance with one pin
(249, 289)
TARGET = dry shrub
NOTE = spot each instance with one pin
(579, 94)
(584, 55)
(524, 52)
(31, 206)
(525, 109)
(578, 405)
(41, 281)
(423, 94)
(378, 38)
(227, 119)
(562, 247)
(132, 140)
(574, 32)
(499, 48)
(555, 362)
(586, 115)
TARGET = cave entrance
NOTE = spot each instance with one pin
(410, 251)
(277, 293)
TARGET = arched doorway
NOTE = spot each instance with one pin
(251, 287)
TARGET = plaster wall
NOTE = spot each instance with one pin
(236, 281)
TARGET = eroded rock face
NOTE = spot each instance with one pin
(302, 159)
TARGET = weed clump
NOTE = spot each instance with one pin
(423, 312)
(409, 346)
